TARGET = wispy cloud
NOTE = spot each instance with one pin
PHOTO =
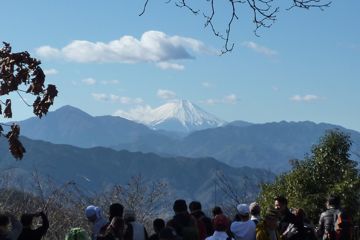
(169, 65)
(144, 113)
(51, 71)
(260, 49)
(153, 46)
(228, 99)
(350, 46)
(48, 52)
(89, 81)
(100, 96)
(110, 82)
(305, 98)
(166, 94)
(116, 99)
(275, 88)
(206, 84)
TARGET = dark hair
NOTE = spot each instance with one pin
(195, 206)
(158, 225)
(221, 228)
(217, 210)
(255, 210)
(281, 199)
(26, 219)
(180, 206)
(4, 220)
(334, 201)
(116, 210)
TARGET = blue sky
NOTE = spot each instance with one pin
(107, 60)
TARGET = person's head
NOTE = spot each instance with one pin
(243, 211)
(129, 216)
(180, 206)
(26, 219)
(280, 203)
(158, 225)
(195, 206)
(116, 210)
(4, 222)
(333, 201)
(255, 209)
(216, 211)
(92, 213)
(77, 234)
(168, 233)
(221, 223)
(271, 218)
(299, 214)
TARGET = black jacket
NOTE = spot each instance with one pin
(35, 234)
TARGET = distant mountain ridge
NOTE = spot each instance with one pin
(70, 125)
(96, 169)
(268, 145)
(178, 115)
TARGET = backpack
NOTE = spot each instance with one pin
(202, 231)
(340, 226)
(190, 233)
(343, 226)
(185, 227)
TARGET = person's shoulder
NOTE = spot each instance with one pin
(209, 238)
(234, 225)
(252, 223)
(170, 223)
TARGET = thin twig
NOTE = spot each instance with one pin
(23, 99)
(144, 8)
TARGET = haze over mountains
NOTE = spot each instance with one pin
(269, 145)
(97, 169)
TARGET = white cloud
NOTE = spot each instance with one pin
(260, 49)
(116, 99)
(168, 65)
(51, 71)
(231, 99)
(228, 99)
(210, 101)
(100, 96)
(109, 82)
(275, 88)
(153, 46)
(89, 81)
(206, 84)
(140, 112)
(166, 94)
(305, 98)
(48, 52)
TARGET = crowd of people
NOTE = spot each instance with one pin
(189, 222)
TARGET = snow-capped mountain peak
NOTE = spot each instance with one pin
(179, 115)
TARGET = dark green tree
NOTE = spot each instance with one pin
(327, 170)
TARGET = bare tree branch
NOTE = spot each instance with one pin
(264, 14)
(182, 3)
(307, 4)
(144, 8)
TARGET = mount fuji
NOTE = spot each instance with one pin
(178, 116)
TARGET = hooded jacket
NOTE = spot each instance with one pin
(243, 230)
